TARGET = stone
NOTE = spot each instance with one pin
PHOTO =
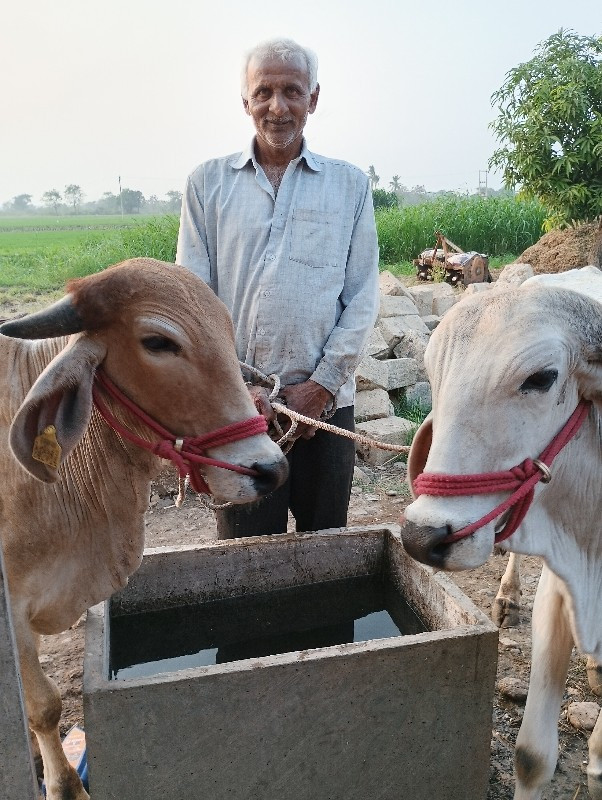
(514, 689)
(443, 303)
(508, 643)
(420, 394)
(431, 321)
(396, 306)
(359, 476)
(476, 288)
(371, 374)
(372, 404)
(393, 329)
(412, 345)
(389, 284)
(376, 345)
(392, 430)
(442, 289)
(402, 372)
(515, 274)
(583, 716)
(423, 298)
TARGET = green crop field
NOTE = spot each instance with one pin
(20, 235)
(41, 253)
(80, 222)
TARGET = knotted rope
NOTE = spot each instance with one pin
(186, 452)
(519, 480)
(286, 440)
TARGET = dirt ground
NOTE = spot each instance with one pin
(378, 497)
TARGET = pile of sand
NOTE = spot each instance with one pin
(565, 249)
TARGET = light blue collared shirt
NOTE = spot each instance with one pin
(298, 270)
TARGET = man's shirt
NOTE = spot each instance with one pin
(298, 270)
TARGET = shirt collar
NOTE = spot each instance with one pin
(248, 154)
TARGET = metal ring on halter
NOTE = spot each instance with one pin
(544, 469)
(177, 445)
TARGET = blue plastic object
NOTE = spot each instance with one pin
(74, 745)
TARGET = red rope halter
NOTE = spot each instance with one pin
(186, 452)
(519, 480)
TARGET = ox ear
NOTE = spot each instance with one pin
(419, 451)
(589, 375)
(56, 411)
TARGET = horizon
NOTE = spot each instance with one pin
(146, 92)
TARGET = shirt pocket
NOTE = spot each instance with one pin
(318, 239)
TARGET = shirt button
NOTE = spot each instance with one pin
(261, 331)
(271, 257)
(267, 293)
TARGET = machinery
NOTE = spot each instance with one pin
(459, 266)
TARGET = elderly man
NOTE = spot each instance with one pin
(287, 239)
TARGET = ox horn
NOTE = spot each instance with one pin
(59, 319)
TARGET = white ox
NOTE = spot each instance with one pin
(508, 369)
(71, 536)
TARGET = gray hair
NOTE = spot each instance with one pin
(283, 50)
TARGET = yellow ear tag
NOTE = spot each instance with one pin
(46, 448)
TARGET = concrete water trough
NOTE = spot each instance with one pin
(236, 716)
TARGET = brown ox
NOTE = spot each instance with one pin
(72, 535)
(522, 360)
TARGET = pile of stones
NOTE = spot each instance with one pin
(392, 367)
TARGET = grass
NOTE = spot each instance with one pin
(49, 267)
(40, 253)
(495, 226)
(78, 222)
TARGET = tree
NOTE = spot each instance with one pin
(174, 200)
(52, 198)
(381, 198)
(132, 200)
(22, 202)
(550, 127)
(374, 178)
(395, 184)
(75, 195)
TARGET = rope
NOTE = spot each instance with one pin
(519, 480)
(286, 439)
(295, 417)
(186, 452)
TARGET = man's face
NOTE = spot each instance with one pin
(279, 100)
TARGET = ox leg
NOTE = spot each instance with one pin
(506, 606)
(594, 676)
(594, 767)
(537, 742)
(44, 706)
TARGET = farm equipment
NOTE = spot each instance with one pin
(458, 266)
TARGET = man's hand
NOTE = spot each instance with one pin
(307, 398)
(261, 398)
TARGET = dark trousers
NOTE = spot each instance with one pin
(317, 490)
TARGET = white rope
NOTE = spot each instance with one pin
(287, 438)
(324, 426)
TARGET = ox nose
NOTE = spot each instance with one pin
(425, 543)
(271, 475)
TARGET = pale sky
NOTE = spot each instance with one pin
(147, 89)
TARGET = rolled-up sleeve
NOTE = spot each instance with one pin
(359, 298)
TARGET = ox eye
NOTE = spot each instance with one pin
(160, 344)
(540, 381)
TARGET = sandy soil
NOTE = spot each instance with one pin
(378, 498)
